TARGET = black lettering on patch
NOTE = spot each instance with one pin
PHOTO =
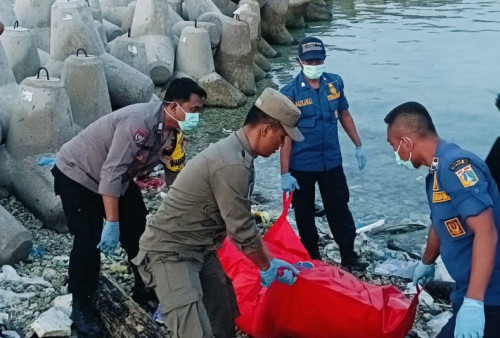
(462, 161)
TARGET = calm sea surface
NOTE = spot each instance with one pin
(443, 54)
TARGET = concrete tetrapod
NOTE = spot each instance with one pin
(194, 60)
(316, 12)
(102, 34)
(273, 18)
(131, 51)
(121, 16)
(214, 31)
(9, 92)
(36, 188)
(295, 16)
(42, 121)
(73, 28)
(16, 241)
(195, 8)
(262, 45)
(22, 53)
(234, 57)
(85, 82)
(7, 14)
(227, 7)
(112, 31)
(152, 24)
(261, 64)
(35, 15)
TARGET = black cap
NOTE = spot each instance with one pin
(311, 48)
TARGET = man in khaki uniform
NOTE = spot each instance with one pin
(209, 200)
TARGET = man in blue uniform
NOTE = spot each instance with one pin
(321, 100)
(465, 213)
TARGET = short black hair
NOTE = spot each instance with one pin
(181, 90)
(415, 117)
(256, 116)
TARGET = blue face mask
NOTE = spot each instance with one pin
(313, 72)
(407, 164)
(190, 121)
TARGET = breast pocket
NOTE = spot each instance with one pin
(307, 117)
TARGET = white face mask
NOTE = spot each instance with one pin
(313, 72)
(190, 121)
(407, 164)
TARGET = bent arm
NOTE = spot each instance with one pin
(350, 128)
(431, 252)
(110, 208)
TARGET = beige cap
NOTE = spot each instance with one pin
(279, 107)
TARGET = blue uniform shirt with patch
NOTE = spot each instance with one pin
(459, 185)
(320, 112)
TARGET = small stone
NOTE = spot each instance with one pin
(52, 323)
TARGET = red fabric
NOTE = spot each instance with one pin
(326, 301)
(150, 183)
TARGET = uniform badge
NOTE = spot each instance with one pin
(140, 135)
(454, 227)
(467, 176)
(458, 163)
(334, 94)
(440, 196)
(303, 103)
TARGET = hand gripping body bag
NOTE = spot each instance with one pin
(325, 301)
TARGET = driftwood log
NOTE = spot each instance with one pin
(121, 316)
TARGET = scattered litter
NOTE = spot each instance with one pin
(227, 131)
(396, 267)
(45, 161)
(368, 227)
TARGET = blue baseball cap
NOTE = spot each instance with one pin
(311, 48)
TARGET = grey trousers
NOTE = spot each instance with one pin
(196, 297)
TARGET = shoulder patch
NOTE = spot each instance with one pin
(454, 227)
(467, 176)
(459, 162)
(140, 135)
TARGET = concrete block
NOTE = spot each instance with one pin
(214, 31)
(273, 17)
(95, 9)
(16, 241)
(194, 53)
(131, 51)
(21, 51)
(9, 92)
(42, 121)
(35, 15)
(7, 14)
(123, 91)
(85, 82)
(121, 16)
(153, 17)
(234, 58)
(176, 6)
(221, 93)
(160, 53)
(102, 34)
(195, 8)
(112, 31)
(316, 12)
(295, 15)
(227, 7)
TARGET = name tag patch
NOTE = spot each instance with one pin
(467, 176)
(454, 227)
(440, 196)
(305, 102)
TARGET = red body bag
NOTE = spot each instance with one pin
(325, 301)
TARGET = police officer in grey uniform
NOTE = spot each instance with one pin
(209, 200)
(94, 175)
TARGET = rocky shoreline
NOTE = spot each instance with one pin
(43, 277)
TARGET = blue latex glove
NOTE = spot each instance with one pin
(46, 161)
(470, 319)
(360, 155)
(288, 182)
(282, 271)
(109, 237)
(424, 273)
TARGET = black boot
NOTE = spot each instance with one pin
(350, 260)
(85, 318)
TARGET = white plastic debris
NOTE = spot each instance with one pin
(9, 274)
(437, 323)
(52, 323)
(371, 226)
(63, 303)
(396, 267)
